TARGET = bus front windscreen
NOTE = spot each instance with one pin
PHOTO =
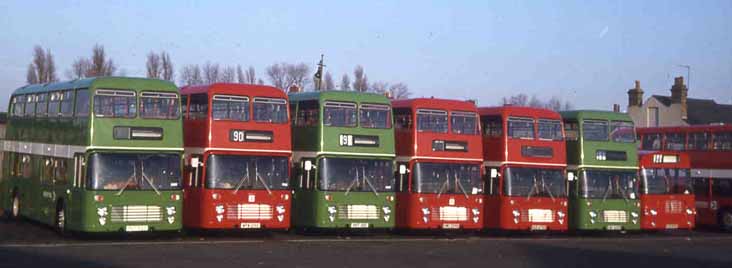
(609, 184)
(124, 172)
(534, 182)
(237, 172)
(441, 178)
(666, 181)
(356, 175)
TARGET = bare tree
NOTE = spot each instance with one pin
(554, 103)
(100, 65)
(153, 65)
(518, 100)
(260, 81)
(328, 83)
(191, 75)
(211, 73)
(250, 75)
(168, 72)
(277, 76)
(535, 102)
(399, 91)
(379, 87)
(228, 75)
(42, 67)
(79, 68)
(240, 75)
(361, 81)
(297, 74)
(345, 82)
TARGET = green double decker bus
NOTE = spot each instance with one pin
(602, 161)
(343, 160)
(95, 155)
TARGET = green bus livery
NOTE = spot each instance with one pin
(602, 157)
(343, 160)
(95, 155)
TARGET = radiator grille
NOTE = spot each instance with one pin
(249, 212)
(136, 214)
(537, 215)
(614, 216)
(450, 213)
(674, 207)
(358, 212)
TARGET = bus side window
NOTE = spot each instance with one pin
(403, 118)
(60, 171)
(308, 114)
(722, 187)
(27, 167)
(701, 187)
(492, 126)
(293, 111)
(571, 130)
(47, 170)
(184, 105)
(198, 106)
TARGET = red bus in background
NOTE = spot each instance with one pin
(667, 200)
(439, 153)
(710, 152)
(525, 161)
(238, 151)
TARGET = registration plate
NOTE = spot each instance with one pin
(672, 226)
(614, 227)
(136, 228)
(538, 227)
(359, 225)
(250, 225)
(450, 226)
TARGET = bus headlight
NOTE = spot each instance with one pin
(516, 213)
(560, 215)
(425, 211)
(170, 211)
(634, 214)
(654, 212)
(689, 211)
(593, 214)
(476, 211)
(220, 212)
(102, 212)
(280, 209)
(331, 213)
(386, 210)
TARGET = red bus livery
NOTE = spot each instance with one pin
(710, 153)
(525, 161)
(238, 150)
(667, 201)
(439, 154)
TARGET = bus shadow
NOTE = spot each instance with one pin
(30, 257)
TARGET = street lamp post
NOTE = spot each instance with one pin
(688, 74)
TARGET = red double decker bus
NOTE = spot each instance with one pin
(439, 153)
(238, 151)
(710, 152)
(667, 201)
(525, 161)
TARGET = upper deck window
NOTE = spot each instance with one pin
(550, 129)
(492, 126)
(67, 103)
(722, 141)
(270, 110)
(18, 105)
(403, 118)
(432, 121)
(199, 106)
(339, 114)
(651, 141)
(30, 105)
(463, 123)
(521, 128)
(114, 103)
(622, 131)
(228, 107)
(375, 116)
(595, 130)
(159, 105)
(82, 103)
(571, 130)
(675, 141)
(698, 141)
(308, 113)
(42, 104)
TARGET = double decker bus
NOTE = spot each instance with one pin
(343, 160)
(439, 154)
(666, 194)
(525, 162)
(95, 155)
(602, 153)
(710, 152)
(237, 156)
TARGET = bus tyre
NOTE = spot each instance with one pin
(60, 219)
(725, 220)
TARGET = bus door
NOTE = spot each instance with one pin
(192, 185)
(75, 197)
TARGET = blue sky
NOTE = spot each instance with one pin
(588, 52)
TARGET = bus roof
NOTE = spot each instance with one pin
(340, 95)
(88, 82)
(432, 103)
(695, 128)
(595, 114)
(522, 111)
(234, 88)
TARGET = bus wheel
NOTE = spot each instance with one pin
(726, 220)
(61, 218)
(15, 207)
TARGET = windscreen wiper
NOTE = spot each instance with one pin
(534, 188)
(460, 185)
(353, 182)
(242, 180)
(142, 164)
(547, 189)
(607, 191)
(366, 179)
(256, 172)
(132, 177)
(444, 185)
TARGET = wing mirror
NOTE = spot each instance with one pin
(195, 162)
(402, 169)
(494, 173)
(570, 176)
(308, 165)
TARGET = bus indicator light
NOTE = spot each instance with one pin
(98, 198)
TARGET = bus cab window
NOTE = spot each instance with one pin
(722, 141)
(698, 141)
(675, 141)
(651, 141)
(492, 126)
